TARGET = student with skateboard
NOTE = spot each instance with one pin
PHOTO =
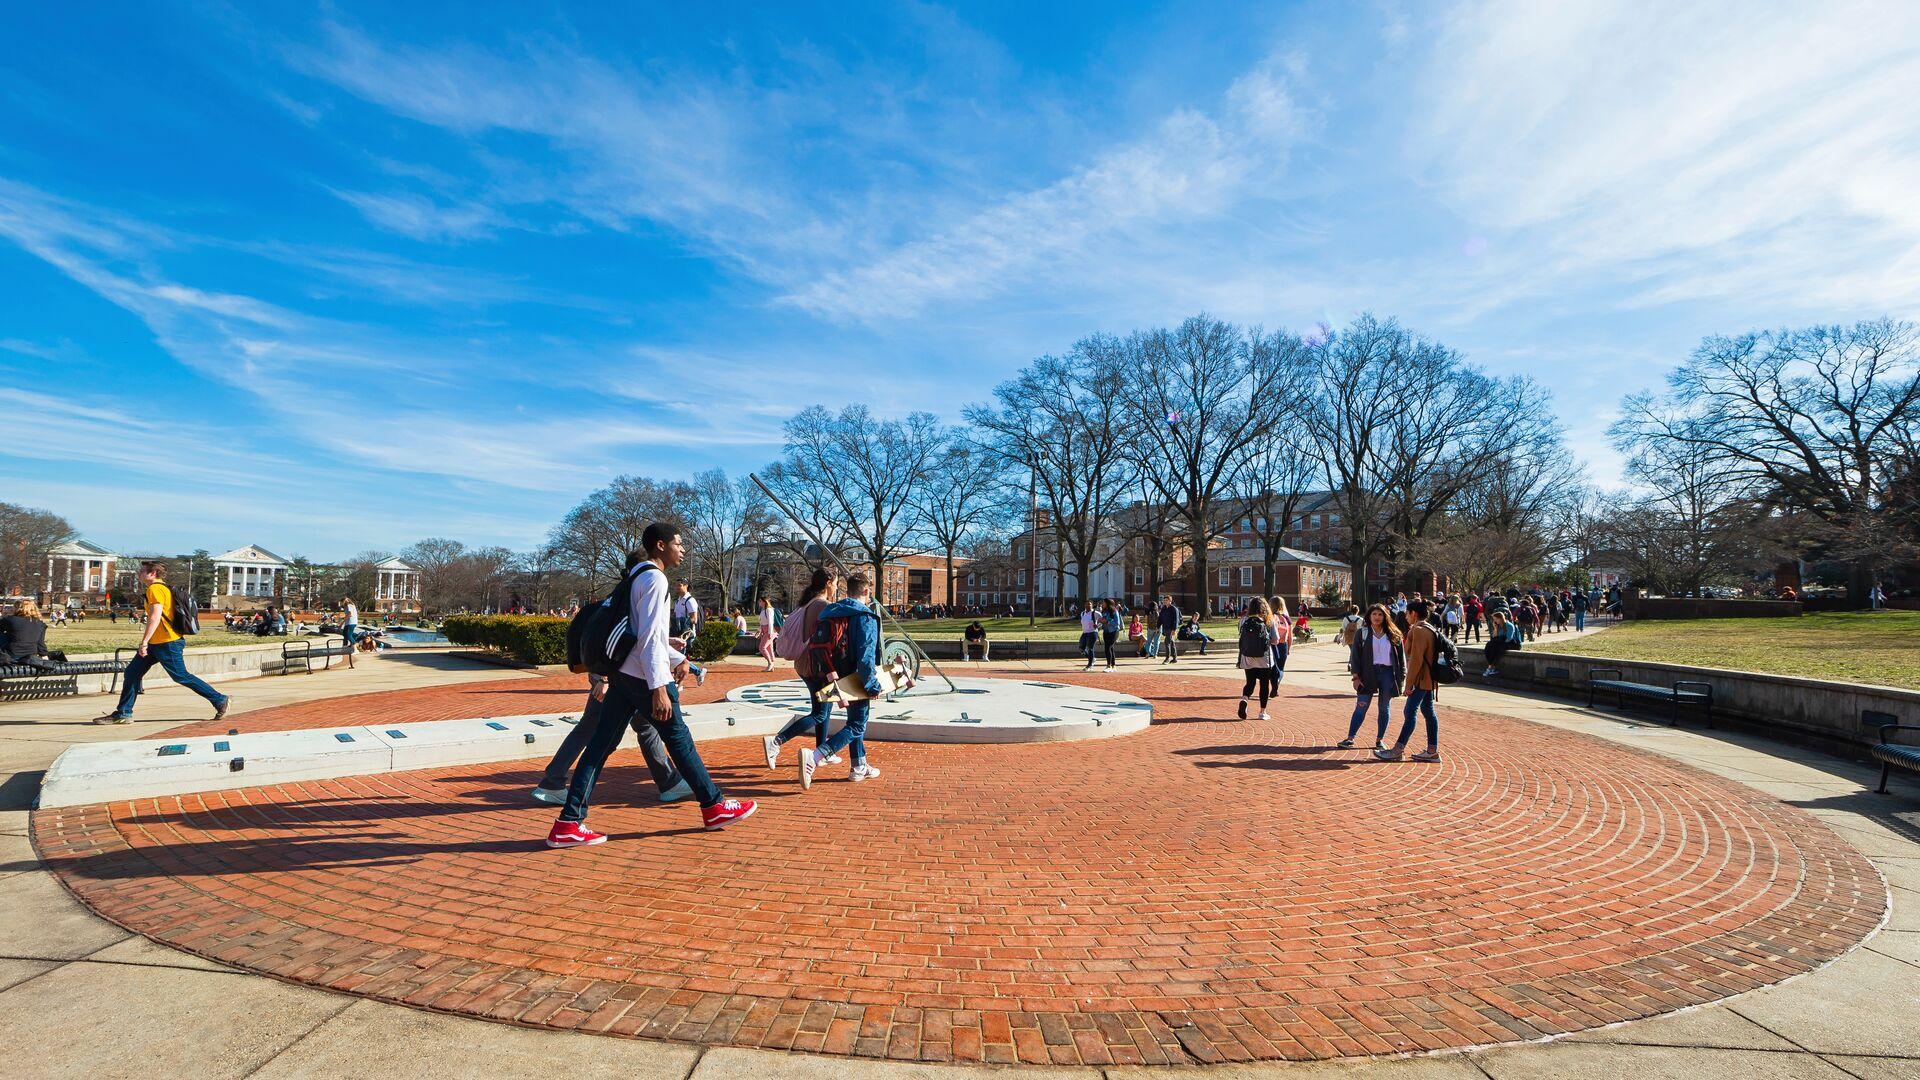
(847, 640)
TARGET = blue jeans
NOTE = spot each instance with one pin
(1421, 700)
(816, 719)
(172, 657)
(351, 632)
(1579, 618)
(854, 735)
(1280, 650)
(626, 696)
(1383, 678)
(665, 777)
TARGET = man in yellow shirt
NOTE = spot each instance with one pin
(159, 644)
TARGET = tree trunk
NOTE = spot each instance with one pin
(1083, 577)
(1197, 537)
(949, 580)
(1859, 584)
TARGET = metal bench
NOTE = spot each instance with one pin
(305, 650)
(1683, 693)
(1890, 754)
(27, 682)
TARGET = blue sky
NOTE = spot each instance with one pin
(345, 278)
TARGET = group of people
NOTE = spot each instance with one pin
(838, 640)
(1389, 658)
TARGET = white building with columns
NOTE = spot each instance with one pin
(248, 578)
(397, 588)
(78, 575)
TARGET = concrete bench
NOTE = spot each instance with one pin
(1893, 755)
(1683, 693)
(32, 682)
(305, 650)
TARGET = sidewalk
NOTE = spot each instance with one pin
(122, 1006)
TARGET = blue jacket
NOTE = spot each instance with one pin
(863, 640)
(1110, 622)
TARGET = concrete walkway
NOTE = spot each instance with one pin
(91, 999)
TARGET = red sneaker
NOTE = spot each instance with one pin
(573, 834)
(722, 814)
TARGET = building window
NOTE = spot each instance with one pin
(969, 579)
(1246, 577)
(1023, 577)
(1021, 599)
(1246, 524)
(1224, 576)
(1139, 576)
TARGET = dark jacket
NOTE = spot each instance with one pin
(1169, 618)
(1360, 663)
(21, 637)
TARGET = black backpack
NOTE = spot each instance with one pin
(576, 628)
(1446, 660)
(186, 613)
(1253, 637)
(606, 631)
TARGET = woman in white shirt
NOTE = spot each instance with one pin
(1377, 661)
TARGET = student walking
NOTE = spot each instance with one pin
(160, 643)
(1257, 642)
(1422, 648)
(685, 622)
(1089, 633)
(350, 628)
(859, 656)
(1581, 602)
(1377, 660)
(821, 591)
(1282, 640)
(647, 679)
(1474, 612)
(1109, 629)
(1169, 626)
(768, 631)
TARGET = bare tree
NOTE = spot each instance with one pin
(27, 536)
(1514, 518)
(1280, 480)
(1060, 422)
(963, 498)
(871, 470)
(1402, 426)
(1813, 421)
(1208, 393)
(596, 536)
(723, 517)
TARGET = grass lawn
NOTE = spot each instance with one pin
(1880, 647)
(101, 636)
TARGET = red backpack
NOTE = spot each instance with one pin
(827, 649)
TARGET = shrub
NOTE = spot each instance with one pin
(530, 639)
(715, 640)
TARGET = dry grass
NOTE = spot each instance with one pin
(1880, 647)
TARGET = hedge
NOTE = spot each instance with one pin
(530, 639)
(715, 640)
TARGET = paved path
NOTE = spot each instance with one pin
(1853, 1018)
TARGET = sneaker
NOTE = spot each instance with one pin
(831, 759)
(1429, 754)
(220, 710)
(1344, 744)
(112, 718)
(1264, 716)
(722, 814)
(1243, 708)
(552, 796)
(773, 751)
(806, 768)
(863, 772)
(677, 792)
(1384, 754)
(573, 834)
(1489, 673)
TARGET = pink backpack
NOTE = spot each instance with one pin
(792, 642)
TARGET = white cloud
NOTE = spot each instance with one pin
(422, 218)
(1192, 167)
(1703, 148)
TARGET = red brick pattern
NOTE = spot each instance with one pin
(1203, 891)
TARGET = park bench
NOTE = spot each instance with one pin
(1890, 754)
(305, 650)
(27, 682)
(1683, 693)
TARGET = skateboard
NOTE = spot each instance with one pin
(893, 677)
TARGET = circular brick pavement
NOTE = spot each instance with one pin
(1205, 890)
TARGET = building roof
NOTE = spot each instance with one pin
(251, 555)
(394, 564)
(1236, 556)
(79, 549)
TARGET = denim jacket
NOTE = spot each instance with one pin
(863, 640)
